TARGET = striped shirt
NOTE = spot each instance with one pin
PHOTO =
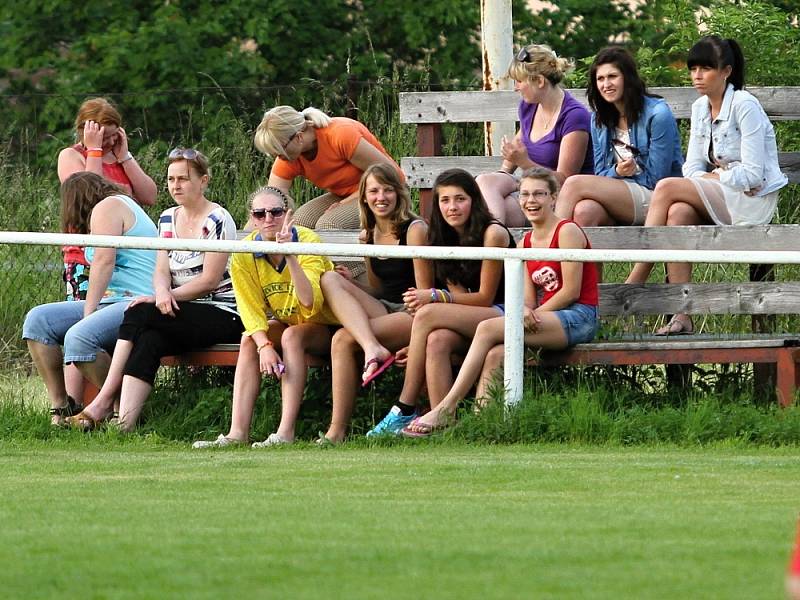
(185, 265)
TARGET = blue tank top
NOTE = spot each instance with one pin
(133, 268)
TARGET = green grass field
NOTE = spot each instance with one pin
(108, 517)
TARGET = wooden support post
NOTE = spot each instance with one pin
(787, 377)
(429, 143)
(764, 375)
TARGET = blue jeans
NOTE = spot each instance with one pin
(579, 322)
(62, 323)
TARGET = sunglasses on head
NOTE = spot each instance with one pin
(182, 153)
(523, 55)
(261, 213)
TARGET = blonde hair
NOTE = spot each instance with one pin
(269, 190)
(99, 110)
(542, 174)
(385, 175)
(281, 123)
(542, 61)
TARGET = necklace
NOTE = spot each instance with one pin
(555, 112)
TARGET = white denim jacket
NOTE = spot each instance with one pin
(744, 144)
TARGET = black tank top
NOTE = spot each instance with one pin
(467, 273)
(395, 274)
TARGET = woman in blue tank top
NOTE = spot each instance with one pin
(87, 329)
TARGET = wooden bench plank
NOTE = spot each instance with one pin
(700, 237)
(421, 171)
(780, 104)
(758, 298)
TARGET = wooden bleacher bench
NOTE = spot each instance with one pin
(430, 110)
(759, 297)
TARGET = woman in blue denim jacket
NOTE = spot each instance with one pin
(732, 176)
(636, 144)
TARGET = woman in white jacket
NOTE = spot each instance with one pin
(731, 175)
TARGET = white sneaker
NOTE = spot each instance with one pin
(220, 442)
(273, 439)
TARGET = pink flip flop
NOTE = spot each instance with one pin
(383, 366)
(416, 429)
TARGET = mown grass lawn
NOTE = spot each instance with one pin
(136, 519)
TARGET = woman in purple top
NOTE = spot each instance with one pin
(555, 132)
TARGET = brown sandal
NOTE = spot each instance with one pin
(84, 422)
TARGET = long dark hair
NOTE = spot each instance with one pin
(441, 233)
(633, 92)
(80, 193)
(712, 51)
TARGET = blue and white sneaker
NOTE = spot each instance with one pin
(392, 423)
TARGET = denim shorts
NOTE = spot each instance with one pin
(580, 323)
(62, 323)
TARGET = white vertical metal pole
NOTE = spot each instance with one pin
(497, 47)
(514, 331)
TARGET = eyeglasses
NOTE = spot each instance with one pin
(523, 55)
(618, 143)
(536, 195)
(182, 153)
(261, 213)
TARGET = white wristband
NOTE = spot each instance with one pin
(126, 158)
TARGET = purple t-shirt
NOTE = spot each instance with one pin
(573, 117)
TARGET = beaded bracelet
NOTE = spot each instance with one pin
(264, 345)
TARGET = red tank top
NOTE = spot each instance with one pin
(111, 171)
(546, 274)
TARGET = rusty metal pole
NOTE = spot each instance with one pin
(497, 46)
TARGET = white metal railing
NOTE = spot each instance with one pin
(512, 257)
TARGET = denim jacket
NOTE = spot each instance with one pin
(656, 137)
(744, 144)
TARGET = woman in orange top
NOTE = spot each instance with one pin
(330, 152)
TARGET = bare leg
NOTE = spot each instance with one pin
(133, 395)
(668, 192)
(103, 403)
(550, 334)
(393, 331)
(492, 369)
(354, 308)
(442, 344)
(246, 383)
(96, 370)
(295, 342)
(497, 189)
(48, 360)
(591, 201)
(459, 318)
(73, 380)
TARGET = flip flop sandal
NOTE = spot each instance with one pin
(677, 326)
(416, 429)
(84, 422)
(381, 368)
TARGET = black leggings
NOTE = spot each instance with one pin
(154, 335)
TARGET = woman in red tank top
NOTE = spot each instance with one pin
(560, 301)
(102, 148)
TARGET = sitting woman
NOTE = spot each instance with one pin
(732, 176)
(554, 132)
(560, 301)
(193, 306)
(471, 291)
(636, 144)
(330, 152)
(88, 328)
(375, 327)
(285, 317)
(102, 148)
